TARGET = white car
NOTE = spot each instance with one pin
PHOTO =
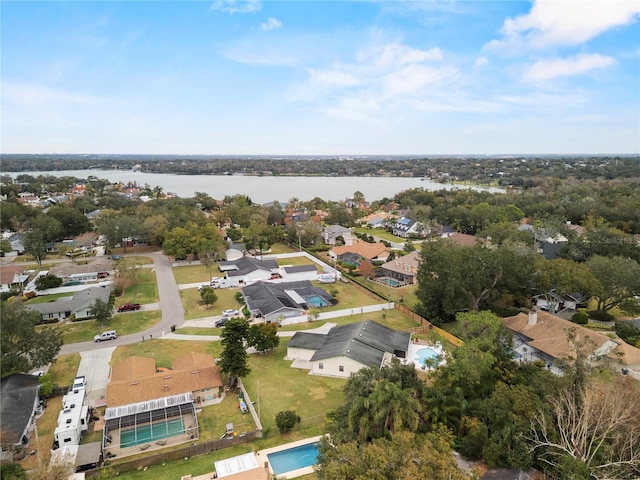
(229, 313)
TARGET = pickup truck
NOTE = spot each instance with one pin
(129, 307)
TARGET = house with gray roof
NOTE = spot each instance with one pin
(331, 233)
(78, 305)
(405, 227)
(294, 273)
(246, 270)
(347, 348)
(276, 301)
(19, 400)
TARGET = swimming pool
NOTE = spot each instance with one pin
(151, 432)
(427, 353)
(293, 458)
(392, 282)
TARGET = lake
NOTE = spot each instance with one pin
(263, 189)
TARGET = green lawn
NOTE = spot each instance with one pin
(165, 351)
(296, 261)
(144, 290)
(380, 233)
(124, 324)
(195, 274)
(193, 309)
(47, 298)
(348, 296)
(198, 331)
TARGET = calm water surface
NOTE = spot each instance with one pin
(261, 189)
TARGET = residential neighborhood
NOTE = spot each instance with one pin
(208, 348)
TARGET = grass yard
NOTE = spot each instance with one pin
(124, 324)
(281, 248)
(48, 298)
(296, 261)
(380, 233)
(164, 351)
(348, 296)
(195, 274)
(198, 331)
(199, 465)
(144, 290)
(402, 295)
(284, 388)
(192, 308)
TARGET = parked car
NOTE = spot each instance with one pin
(129, 307)
(108, 335)
(222, 322)
(229, 313)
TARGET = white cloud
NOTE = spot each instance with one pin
(552, 68)
(570, 22)
(271, 24)
(481, 61)
(236, 6)
(37, 96)
(379, 78)
(396, 54)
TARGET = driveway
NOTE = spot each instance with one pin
(94, 365)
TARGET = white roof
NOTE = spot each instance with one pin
(233, 465)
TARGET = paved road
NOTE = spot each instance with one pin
(170, 305)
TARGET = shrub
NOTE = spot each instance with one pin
(239, 298)
(601, 315)
(48, 281)
(286, 420)
(13, 471)
(580, 318)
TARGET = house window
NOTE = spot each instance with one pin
(341, 368)
(321, 366)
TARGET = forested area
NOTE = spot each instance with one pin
(396, 425)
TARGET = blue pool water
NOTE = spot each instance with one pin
(293, 458)
(151, 432)
(426, 353)
(392, 282)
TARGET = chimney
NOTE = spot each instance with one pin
(533, 317)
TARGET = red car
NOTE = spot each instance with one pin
(129, 307)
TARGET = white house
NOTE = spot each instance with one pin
(347, 348)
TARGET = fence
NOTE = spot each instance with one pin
(185, 452)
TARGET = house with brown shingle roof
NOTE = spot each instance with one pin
(12, 276)
(137, 379)
(359, 251)
(539, 335)
(463, 239)
(83, 272)
(404, 268)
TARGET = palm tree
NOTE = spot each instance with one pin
(395, 408)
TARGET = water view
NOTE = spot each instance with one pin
(262, 189)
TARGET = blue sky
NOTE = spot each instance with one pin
(330, 78)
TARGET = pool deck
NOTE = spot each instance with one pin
(264, 469)
(412, 355)
(262, 456)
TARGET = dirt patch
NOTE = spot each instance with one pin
(317, 393)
